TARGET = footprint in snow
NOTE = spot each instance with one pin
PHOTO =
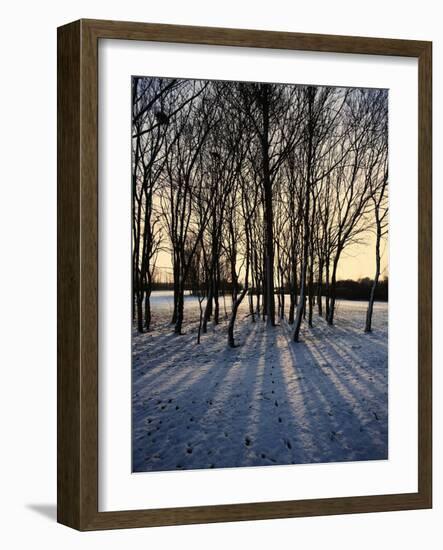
(268, 457)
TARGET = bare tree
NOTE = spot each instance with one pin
(352, 190)
(377, 175)
(255, 188)
(184, 183)
(249, 204)
(322, 110)
(274, 115)
(148, 156)
(225, 156)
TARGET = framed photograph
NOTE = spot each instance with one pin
(244, 275)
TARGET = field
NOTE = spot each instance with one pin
(268, 401)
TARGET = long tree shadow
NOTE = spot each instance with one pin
(336, 355)
(264, 435)
(281, 435)
(266, 402)
(345, 428)
(193, 427)
(370, 370)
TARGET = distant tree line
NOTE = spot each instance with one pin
(346, 289)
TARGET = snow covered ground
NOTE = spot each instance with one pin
(268, 401)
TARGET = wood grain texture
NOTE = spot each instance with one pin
(425, 273)
(68, 276)
(78, 274)
(254, 38)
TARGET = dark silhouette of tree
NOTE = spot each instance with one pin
(377, 175)
(257, 190)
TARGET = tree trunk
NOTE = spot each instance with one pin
(234, 279)
(148, 310)
(180, 309)
(216, 296)
(176, 272)
(208, 311)
(140, 311)
(231, 340)
(327, 289)
(319, 289)
(311, 292)
(200, 300)
(264, 308)
(268, 209)
(293, 291)
(333, 290)
(368, 325)
(251, 304)
(291, 308)
(301, 307)
(251, 307)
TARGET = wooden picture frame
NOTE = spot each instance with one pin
(78, 274)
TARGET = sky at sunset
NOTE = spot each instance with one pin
(356, 262)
